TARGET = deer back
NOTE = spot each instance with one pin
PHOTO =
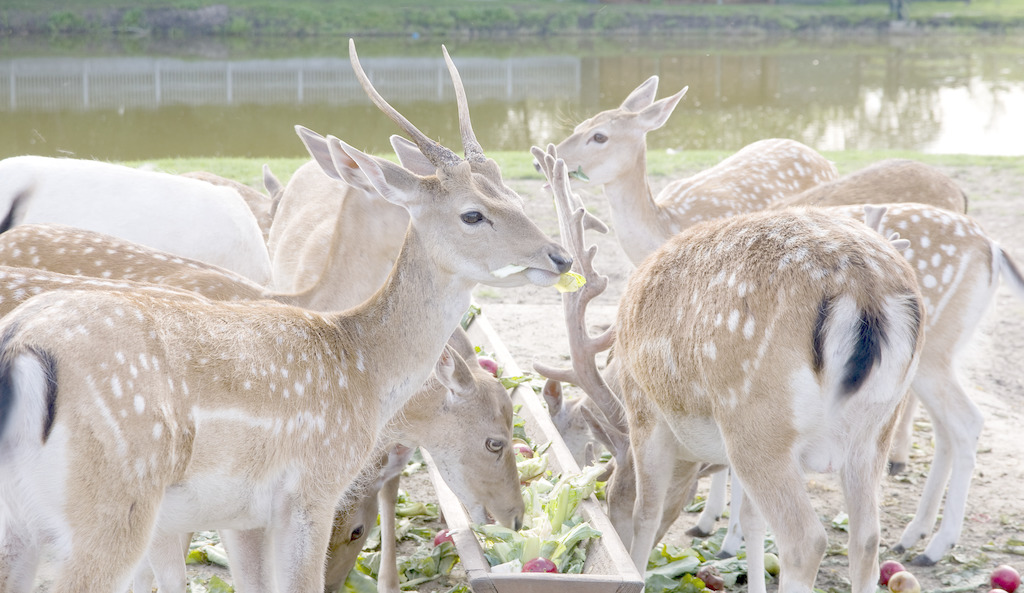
(187, 217)
(886, 182)
(729, 310)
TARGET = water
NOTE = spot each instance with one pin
(149, 99)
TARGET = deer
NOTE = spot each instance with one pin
(360, 231)
(610, 149)
(187, 217)
(459, 396)
(958, 268)
(251, 402)
(261, 205)
(745, 341)
(888, 181)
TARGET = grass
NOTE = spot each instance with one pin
(519, 165)
(530, 17)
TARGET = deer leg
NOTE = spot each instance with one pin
(387, 576)
(899, 456)
(19, 557)
(957, 422)
(776, 486)
(714, 506)
(165, 560)
(754, 524)
(249, 551)
(301, 535)
(620, 495)
(88, 567)
(859, 477)
(734, 536)
(650, 454)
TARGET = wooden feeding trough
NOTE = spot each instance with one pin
(608, 567)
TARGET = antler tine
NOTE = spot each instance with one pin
(873, 218)
(583, 347)
(474, 152)
(436, 153)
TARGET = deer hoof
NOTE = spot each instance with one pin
(898, 549)
(696, 531)
(897, 467)
(923, 560)
(723, 554)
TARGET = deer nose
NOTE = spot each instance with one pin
(562, 260)
(517, 522)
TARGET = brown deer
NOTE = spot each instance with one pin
(746, 341)
(143, 404)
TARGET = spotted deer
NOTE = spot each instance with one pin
(459, 396)
(610, 149)
(775, 342)
(888, 181)
(144, 405)
(187, 217)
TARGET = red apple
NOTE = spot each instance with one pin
(712, 578)
(904, 582)
(523, 449)
(539, 564)
(1005, 578)
(443, 536)
(489, 364)
(887, 569)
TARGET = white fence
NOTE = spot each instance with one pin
(53, 84)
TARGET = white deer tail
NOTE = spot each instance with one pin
(28, 395)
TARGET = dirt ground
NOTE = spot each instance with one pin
(530, 323)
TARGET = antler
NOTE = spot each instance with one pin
(436, 153)
(873, 218)
(583, 347)
(474, 152)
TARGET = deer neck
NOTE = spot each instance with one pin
(636, 216)
(400, 331)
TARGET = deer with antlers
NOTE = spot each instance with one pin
(777, 342)
(143, 404)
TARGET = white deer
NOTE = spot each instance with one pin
(252, 403)
(776, 342)
(187, 217)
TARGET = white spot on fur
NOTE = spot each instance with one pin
(140, 404)
(929, 281)
(734, 320)
(748, 327)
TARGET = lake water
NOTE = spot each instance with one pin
(141, 99)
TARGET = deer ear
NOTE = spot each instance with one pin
(319, 148)
(642, 96)
(410, 156)
(552, 393)
(393, 182)
(453, 372)
(655, 116)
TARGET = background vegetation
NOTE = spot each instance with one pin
(180, 18)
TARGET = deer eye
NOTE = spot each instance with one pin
(472, 217)
(495, 445)
(356, 534)
(600, 138)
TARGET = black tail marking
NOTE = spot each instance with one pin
(867, 350)
(17, 204)
(818, 339)
(7, 394)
